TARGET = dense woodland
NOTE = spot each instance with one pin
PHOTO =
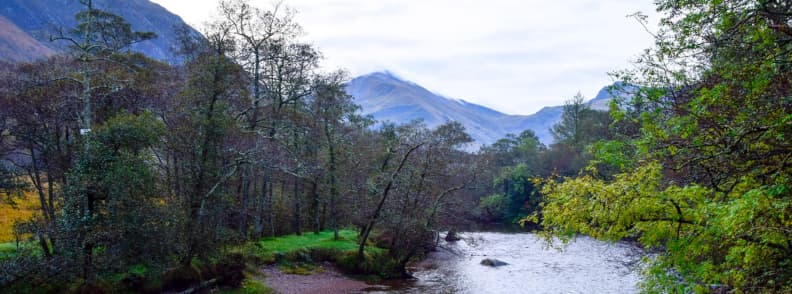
(177, 168)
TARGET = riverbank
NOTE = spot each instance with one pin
(312, 263)
(324, 279)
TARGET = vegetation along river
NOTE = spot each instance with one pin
(584, 266)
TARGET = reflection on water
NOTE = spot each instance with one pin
(585, 266)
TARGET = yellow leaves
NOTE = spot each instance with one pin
(633, 204)
(603, 210)
(26, 207)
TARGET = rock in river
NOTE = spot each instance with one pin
(493, 262)
(452, 236)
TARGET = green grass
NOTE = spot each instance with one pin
(7, 250)
(324, 240)
(297, 248)
(299, 255)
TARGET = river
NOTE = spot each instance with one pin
(586, 265)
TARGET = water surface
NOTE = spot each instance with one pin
(584, 266)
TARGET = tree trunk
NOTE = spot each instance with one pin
(271, 193)
(316, 208)
(44, 246)
(297, 208)
(245, 202)
(333, 184)
(385, 192)
(260, 204)
(323, 219)
(333, 195)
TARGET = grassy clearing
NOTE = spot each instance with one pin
(323, 240)
(300, 254)
(291, 248)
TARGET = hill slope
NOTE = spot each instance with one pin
(17, 45)
(390, 98)
(40, 18)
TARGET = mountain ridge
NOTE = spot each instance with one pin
(38, 19)
(26, 25)
(390, 98)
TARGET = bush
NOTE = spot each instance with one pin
(230, 271)
(250, 286)
(379, 264)
(181, 278)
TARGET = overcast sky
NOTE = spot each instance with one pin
(515, 56)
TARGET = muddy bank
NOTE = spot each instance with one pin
(325, 280)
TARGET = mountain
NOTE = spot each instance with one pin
(387, 97)
(26, 25)
(17, 45)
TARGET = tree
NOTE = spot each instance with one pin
(110, 200)
(96, 43)
(407, 148)
(256, 34)
(570, 129)
(519, 161)
(41, 131)
(709, 181)
(199, 134)
(580, 126)
(413, 190)
(8, 178)
(334, 109)
(98, 38)
(279, 71)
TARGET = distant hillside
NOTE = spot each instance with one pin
(17, 45)
(38, 19)
(390, 98)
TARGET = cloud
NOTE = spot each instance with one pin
(513, 55)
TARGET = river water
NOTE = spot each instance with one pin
(584, 266)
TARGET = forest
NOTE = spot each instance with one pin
(121, 173)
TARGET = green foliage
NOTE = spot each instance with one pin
(517, 160)
(111, 205)
(580, 125)
(299, 254)
(139, 270)
(706, 175)
(617, 155)
(518, 197)
(250, 285)
(130, 132)
(723, 242)
(495, 205)
(375, 263)
(570, 129)
(7, 250)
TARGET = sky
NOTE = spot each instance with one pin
(515, 56)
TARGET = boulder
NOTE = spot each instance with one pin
(493, 262)
(452, 236)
